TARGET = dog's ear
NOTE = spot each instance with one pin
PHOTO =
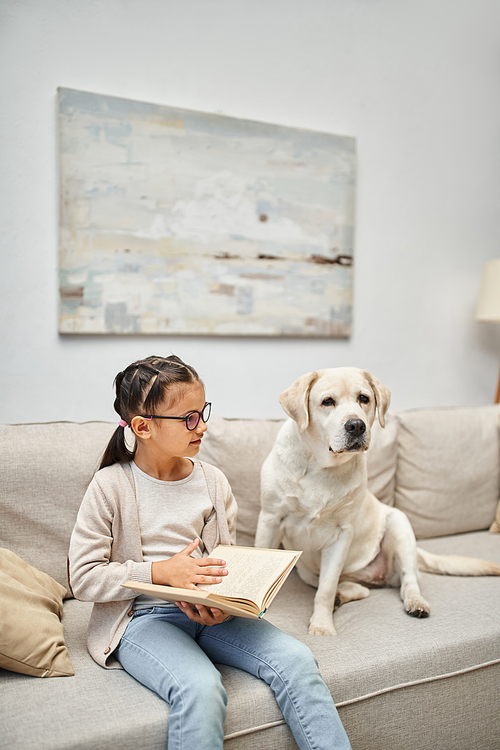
(295, 400)
(382, 396)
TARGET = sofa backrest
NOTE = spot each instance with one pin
(238, 447)
(46, 468)
(45, 471)
(440, 466)
(448, 475)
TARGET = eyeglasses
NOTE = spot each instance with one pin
(192, 419)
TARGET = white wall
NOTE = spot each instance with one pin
(416, 84)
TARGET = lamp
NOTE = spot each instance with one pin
(488, 307)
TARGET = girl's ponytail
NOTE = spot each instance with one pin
(116, 450)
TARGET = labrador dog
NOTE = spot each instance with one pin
(315, 498)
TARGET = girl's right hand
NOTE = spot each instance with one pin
(183, 571)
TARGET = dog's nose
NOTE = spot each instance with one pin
(355, 427)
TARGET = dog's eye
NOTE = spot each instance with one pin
(364, 399)
(328, 402)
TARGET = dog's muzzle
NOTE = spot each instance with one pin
(355, 439)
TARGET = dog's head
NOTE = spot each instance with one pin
(337, 407)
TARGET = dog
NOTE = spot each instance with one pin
(314, 498)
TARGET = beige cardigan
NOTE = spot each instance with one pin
(105, 550)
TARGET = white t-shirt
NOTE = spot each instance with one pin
(171, 515)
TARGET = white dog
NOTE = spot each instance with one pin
(315, 499)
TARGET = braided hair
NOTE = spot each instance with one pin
(140, 388)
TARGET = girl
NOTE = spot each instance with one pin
(154, 515)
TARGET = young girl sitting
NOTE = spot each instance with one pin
(154, 515)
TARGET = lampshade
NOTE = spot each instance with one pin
(488, 306)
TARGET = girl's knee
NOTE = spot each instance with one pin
(205, 692)
(297, 662)
(301, 654)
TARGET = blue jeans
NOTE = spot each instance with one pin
(173, 656)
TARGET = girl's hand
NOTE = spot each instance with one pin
(183, 571)
(203, 615)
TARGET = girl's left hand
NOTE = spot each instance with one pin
(203, 615)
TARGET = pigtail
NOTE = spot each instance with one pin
(116, 450)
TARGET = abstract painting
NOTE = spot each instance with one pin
(179, 222)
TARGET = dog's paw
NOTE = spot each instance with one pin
(321, 628)
(416, 606)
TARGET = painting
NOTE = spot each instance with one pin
(180, 222)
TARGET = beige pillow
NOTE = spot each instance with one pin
(31, 631)
(495, 526)
(448, 474)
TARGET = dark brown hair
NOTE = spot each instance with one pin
(140, 388)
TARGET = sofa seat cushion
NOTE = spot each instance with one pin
(97, 708)
(448, 475)
(380, 647)
(379, 652)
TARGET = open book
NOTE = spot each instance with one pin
(254, 578)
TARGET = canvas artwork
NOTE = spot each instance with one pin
(180, 222)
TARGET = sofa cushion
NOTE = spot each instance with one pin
(31, 632)
(382, 460)
(382, 666)
(238, 447)
(448, 475)
(46, 469)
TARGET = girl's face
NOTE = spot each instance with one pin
(172, 436)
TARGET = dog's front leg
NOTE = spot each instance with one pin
(268, 534)
(400, 541)
(332, 563)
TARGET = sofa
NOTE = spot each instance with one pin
(397, 681)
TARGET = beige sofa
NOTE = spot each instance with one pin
(398, 682)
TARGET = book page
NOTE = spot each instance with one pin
(251, 571)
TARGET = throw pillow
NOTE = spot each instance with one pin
(31, 631)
